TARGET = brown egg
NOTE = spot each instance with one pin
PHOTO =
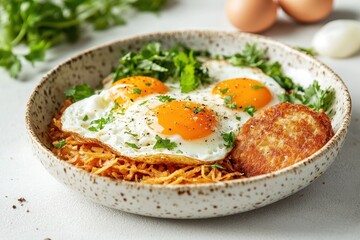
(251, 15)
(307, 11)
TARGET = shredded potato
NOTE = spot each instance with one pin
(97, 159)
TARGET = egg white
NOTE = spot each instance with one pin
(131, 126)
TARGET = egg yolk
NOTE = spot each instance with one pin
(241, 92)
(129, 89)
(188, 119)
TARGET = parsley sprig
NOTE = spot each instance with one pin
(79, 92)
(229, 139)
(41, 24)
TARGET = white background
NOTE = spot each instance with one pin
(327, 209)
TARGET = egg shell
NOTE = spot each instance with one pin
(338, 39)
(251, 15)
(307, 11)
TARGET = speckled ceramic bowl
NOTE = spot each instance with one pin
(182, 201)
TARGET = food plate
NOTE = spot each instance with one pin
(192, 200)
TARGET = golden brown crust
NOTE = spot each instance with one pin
(278, 137)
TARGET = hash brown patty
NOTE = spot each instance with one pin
(278, 137)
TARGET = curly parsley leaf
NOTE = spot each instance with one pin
(228, 102)
(79, 92)
(164, 143)
(60, 144)
(229, 139)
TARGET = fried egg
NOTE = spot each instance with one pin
(145, 119)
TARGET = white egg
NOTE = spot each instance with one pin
(338, 39)
(133, 132)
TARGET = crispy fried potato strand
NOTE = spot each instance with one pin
(99, 160)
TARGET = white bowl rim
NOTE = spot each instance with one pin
(243, 181)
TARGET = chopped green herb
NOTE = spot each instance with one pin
(179, 151)
(187, 107)
(164, 143)
(223, 91)
(85, 118)
(197, 110)
(228, 103)
(256, 87)
(79, 92)
(132, 134)
(229, 139)
(137, 91)
(250, 110)
(93, 129)
(165, 98)
(148, 84)
(309, 51)
(60, 144)
(238, 118)
(132, 145)
(144, 102)
(216, 166)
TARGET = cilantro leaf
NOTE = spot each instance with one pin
(85, 118)
(250, 110)
(257, 87)
(37, 52)
(164, 143)
(10, 62)
(313, 96)
(229, 139)
(223, 91)
(149, 5)
(60, 144)
(79, 92)
(137, 91)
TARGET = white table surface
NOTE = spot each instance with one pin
(327, 209)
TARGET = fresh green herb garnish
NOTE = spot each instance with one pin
(179, 151)
(178, 63)
(100, 123)
(43, 24)
(144, 102)
(137, 91)
(313, 97)
(60, 144)
(85, 118)
(253, 57)
(228, 102)
(216, 166)
(257, 87)
(148, 84)
(223, 91)
(132, 134)
(197, 110)
(238, 118)
(309, 51)
(79, 92)
(132, 145)
(165, 98)
(229, 139)
(164, 143)
(250, 110)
